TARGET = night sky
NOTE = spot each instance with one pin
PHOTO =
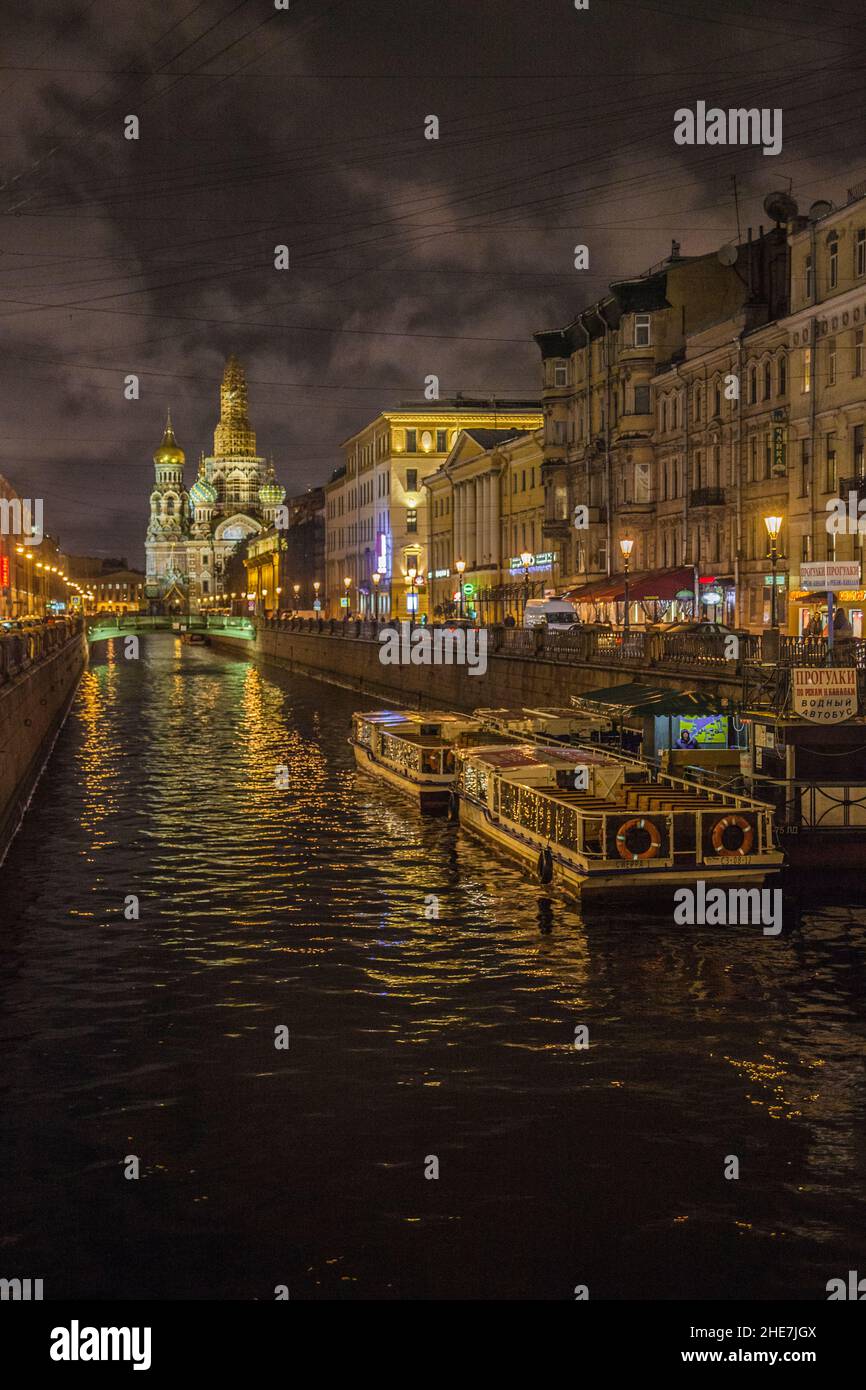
(408, 256)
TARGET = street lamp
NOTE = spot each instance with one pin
(626, 545)
(525, 560)
(296, 589)
(317, 584)
(774, 527)
(460, 567)
(377, 579)
(348, 584)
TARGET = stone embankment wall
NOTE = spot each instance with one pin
(39, 674)
(510, 680)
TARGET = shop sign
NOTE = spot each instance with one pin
(825, 694)
(828, 576)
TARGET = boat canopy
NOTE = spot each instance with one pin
(636, 700)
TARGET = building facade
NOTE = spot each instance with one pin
(376, 523)
(485, 513)
(235, 495)
(659, 403)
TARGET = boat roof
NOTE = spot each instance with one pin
(412, 716)
(512, 756)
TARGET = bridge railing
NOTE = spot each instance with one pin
(22, 648)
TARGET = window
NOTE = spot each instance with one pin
(768, 385)
(805, 460)
(753, 385)
(642, 330)
(858, 353)
(831, 361)
(807, 370)
(641, 400)
(783, 376)
(830, 454)
(411, 479)
(860, 252)
(441, 441)
(411, 520)
(699, 400)
(560, 374)
(806, 548)
(833, 247)
(663, 416)
(717, 400)
(807, 278)
(858, 450)
(768, 454)
(411, 441)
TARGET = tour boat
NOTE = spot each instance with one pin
(414, 752)
(582, 819)
(552, 724)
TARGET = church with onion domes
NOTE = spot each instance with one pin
(191, 533)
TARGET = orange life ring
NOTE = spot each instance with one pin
(718, 836)
(638, 823)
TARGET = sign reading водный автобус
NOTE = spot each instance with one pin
(825, 694)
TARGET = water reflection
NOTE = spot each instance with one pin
(300, 900)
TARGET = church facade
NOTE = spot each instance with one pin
(191, 533)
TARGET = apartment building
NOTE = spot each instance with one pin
(376, 523)
(485, 510)
(634, 446)
(828, 390)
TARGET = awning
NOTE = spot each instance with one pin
(636, 700)
(645, 585)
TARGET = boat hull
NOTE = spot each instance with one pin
(431, 797)
(577, 882)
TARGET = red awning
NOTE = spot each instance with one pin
(646, 584)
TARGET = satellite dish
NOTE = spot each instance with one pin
(780, 206)
(727, 254)
(822, 208)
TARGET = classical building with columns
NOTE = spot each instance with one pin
(376, 504)
(485, 512)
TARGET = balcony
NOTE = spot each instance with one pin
(707, 497)
(556, 528)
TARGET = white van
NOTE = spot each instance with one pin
(558, 613)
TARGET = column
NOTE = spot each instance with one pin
(495, 555)
(472, 526)
(483, 520)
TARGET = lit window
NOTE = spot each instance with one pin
(807, 369)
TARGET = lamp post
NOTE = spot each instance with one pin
(774, 527)
(460, 567)
(317, 584)
(377, 579)
(525, 560)
(626, 546)
(296, 590)
(347, 583)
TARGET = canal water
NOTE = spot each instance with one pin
(411, 1037)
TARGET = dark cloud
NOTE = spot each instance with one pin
(306, 127)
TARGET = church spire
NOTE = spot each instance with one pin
(234, 437)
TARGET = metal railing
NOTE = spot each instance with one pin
(20, 649)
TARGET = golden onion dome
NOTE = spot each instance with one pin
(169, 454)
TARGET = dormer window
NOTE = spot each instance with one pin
(642, 330)
(560, 373)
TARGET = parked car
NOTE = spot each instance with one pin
(703, 629)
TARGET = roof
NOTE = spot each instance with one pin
(488, 439)
(515, 756)
(635, 698)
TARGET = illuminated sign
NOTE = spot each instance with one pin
(4, 571)
(826, 576)
(826, 695)
(469, 590)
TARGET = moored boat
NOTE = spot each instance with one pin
(414, 752)
(587, 821)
